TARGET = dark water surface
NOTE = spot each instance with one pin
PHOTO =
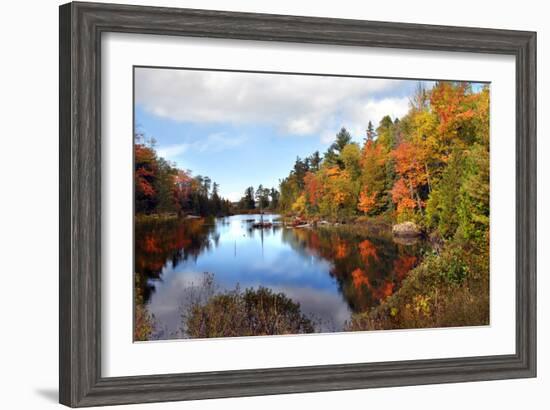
(330, 271)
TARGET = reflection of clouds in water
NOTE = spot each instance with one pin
(325, 308)
(166, 305)
(319, 305)
(237, 262)
(188, 279)
(286, 265)
(303, 278)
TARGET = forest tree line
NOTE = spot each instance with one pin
(162, 188)
(260, 199)
(431, 166)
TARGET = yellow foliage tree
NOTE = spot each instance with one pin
(299, 206)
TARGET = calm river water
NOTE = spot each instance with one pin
(330, 272)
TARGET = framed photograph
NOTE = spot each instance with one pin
(259, 204)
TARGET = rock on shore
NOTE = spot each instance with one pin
(406, 229)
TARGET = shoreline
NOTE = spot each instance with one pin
(371, 224)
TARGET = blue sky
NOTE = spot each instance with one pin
(234, 156)
(245, 129)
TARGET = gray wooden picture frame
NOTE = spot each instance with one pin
(81, 27)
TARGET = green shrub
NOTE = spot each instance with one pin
(252, 312)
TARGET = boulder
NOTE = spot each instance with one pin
(406, 230)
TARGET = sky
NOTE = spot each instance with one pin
(245, 129)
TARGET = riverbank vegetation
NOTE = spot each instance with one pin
(446, 290)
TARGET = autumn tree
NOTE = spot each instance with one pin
(339, 193)
(145, 175)
(460, 198)
(403, 198)
(455, 107)
(367, 201)
(351, 160)
(409, 165)
(289, 191)
(300, 205)
(373, 177)
(313, 190)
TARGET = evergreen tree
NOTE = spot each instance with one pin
(332, 156)
(315, 161)
(262, 197)
(274, 194)
(216, 200)
(371, 134)
(247, 201)
(301, 167)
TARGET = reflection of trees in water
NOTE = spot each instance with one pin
(260, 233)
(159, 241)
(367, 268)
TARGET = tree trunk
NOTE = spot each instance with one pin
(428, 177)
(415, 194)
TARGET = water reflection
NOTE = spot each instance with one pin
(330, 272)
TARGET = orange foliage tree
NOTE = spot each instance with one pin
(402, 196)
(313, 188)
(145, 175)
(409, 164)
(366, 201)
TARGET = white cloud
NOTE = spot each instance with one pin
(300, 126)
(293, 104)
(219, 141)
(376, 110)
(172, 151)
(214, 143)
